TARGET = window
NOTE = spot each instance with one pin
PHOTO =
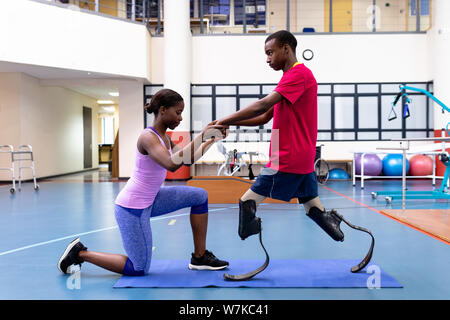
(108, 130)
(231, 12)
(152, 9)
(218, 11)
(137, 9)
(346, 111)
(424, 7)
(149, 91)
(255, 12)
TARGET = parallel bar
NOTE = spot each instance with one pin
(158, 31)
(331, 16)
(244, 18)
(288, 18)
(398, 193)
(201, 16)
(374, 23)
(417, 15)
(144, 3)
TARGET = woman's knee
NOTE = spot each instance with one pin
(200, 205)
(131, 270)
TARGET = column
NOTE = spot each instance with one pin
(177, 54)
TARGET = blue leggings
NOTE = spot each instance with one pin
(134, 224)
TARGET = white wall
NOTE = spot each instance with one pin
(50, 119)
(43, 34)
(131, 123)
(337, 58)
(156, 58)
(9, 111)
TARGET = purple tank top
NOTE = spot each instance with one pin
(145, 181)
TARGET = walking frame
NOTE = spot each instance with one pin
(24, 153)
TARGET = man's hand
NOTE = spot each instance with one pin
(225, 130)
(214, 131)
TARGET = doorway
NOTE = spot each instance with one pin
(87, 137)
(342, 16)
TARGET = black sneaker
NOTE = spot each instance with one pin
(207, 262)
(70, 256)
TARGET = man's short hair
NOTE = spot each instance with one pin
(284, 37)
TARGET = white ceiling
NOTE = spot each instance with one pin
(95, 85)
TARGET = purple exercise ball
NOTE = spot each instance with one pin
(372, 164)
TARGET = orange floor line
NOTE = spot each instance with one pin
(390, 217)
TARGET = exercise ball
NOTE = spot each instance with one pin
(393, 165)
(420, 165)
(372, 164)
(339, 174)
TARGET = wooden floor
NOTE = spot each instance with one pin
(433, 221)
(222, 189)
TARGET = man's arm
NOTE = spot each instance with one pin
(253, 110)
(257, 121)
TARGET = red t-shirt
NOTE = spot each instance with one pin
(294, 130)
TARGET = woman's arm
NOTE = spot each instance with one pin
(152, 146)
(184, 156)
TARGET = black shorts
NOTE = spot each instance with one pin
(285, 186)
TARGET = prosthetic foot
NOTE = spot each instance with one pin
(329, 221)
(249, 223)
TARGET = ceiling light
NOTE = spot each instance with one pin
(114, 94)
(105, 102)
(109, 109)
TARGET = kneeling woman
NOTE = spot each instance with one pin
(144, 196)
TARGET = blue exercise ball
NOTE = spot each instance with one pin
(339, 174)
(393, 165)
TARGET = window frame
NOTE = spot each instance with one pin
(333, 131)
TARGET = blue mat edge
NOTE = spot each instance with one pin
(245, 284)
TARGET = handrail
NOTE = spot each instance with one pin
(146, 9)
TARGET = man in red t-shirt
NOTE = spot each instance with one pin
(290, 171)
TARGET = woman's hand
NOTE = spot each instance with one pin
(225, 129)
(214, 131)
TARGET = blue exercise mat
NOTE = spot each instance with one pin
(279, 274)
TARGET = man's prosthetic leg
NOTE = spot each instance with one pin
(329, 221)
(249, 224)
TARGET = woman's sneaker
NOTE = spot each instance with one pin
(207, 262)
(70, 256)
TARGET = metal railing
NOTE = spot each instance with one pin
(133, 10)
(267, 16)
